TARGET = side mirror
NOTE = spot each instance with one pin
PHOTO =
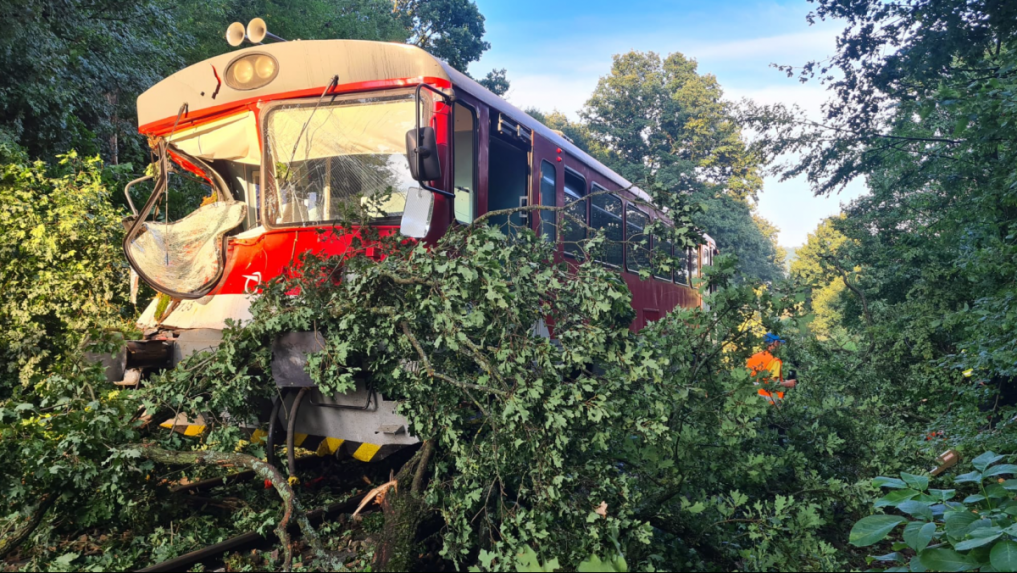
(417, 213)
(422, 153)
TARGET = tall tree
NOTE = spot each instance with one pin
(922, 107)
(659, 120)
(453, 30)
(73, 68)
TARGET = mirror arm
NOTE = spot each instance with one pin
(419, 156)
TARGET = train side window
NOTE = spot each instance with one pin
(548, 198)
(637, 253)
(662, 261)
(606, 216)
(465, 163)
(681, 266)
(574, 225)
(693, 263)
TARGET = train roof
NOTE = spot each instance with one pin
(470, 86)
(309, 65)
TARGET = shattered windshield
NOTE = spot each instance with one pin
(342, 154)
(175, 241)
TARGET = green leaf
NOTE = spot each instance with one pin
(977, 540)
(958, 522)
(998, 470)
(974, 499)
(595, 565)
(918, 535)
(919, 509)
(889, 483)
(943, 494)
(970, 477)
(527, 561)
(64, 561)
(873, 529)
(921, 483)
(942, 559)
(894, 498)
(985, 460)
(888, 558)
(1004, 556)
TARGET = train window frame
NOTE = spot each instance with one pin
(629, 247)
(681, 266)
(694, 264)
(586, 203)
(548, 219)
(269, 183)
(596, 188)
(454, 156)
(654, 240)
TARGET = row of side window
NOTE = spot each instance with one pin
(606, 214)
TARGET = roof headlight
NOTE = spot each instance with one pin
(251, 71)
(264, 66)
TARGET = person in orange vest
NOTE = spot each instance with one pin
(767, 368)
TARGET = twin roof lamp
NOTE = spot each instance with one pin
(251, 71)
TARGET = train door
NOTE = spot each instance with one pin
(508, 170)
(575, 218)
(464, 162)
(548, 176)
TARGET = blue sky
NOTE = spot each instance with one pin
(556, 51)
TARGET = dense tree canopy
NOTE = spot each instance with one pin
(73, 69)
(923, 108)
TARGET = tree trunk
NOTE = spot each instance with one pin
(404, 510)
(10, 543)
(291, 505)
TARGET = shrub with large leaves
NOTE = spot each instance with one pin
(943, 532)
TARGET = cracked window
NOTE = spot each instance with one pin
(344, 156)
(175, 242)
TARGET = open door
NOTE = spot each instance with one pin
(176, 241)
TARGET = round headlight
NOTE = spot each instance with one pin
(264, 66)
(251, 71)
(243, 71)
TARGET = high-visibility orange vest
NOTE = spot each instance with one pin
(770, 364)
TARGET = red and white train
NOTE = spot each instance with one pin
(288, 134)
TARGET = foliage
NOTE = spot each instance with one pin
(941, 533)
(61, 266)
(924, 97)
(661, 118)
(58, 446)
(450, 29)
(815, 265)
(73, 70)
(496, 81)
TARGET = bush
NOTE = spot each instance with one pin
(62, 270)
(941, 533)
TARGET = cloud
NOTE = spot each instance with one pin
(796, 46)
(551, 92)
